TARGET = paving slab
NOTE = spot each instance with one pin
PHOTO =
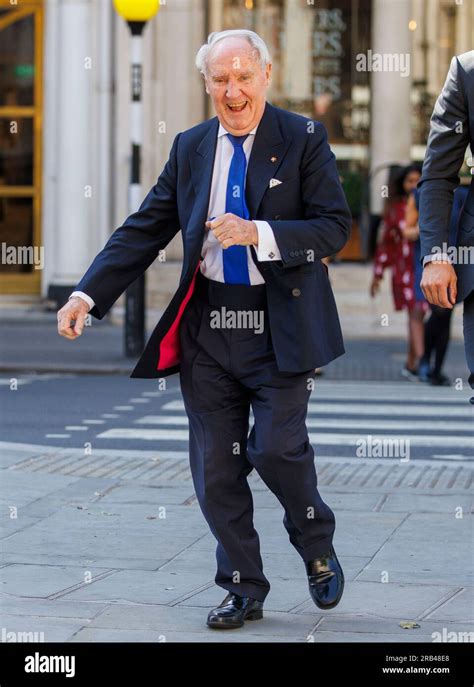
(45, 629)
(188, 619)
(389, 600)
(141, 586)
(59, 608)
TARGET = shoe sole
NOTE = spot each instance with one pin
(221, 625)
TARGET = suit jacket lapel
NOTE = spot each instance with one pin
(202, 165)
(268, 151)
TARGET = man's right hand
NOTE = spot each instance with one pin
(439, 284)
(75, 309)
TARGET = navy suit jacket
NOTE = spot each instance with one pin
(309, 216)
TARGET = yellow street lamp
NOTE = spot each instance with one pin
(137, 10)
(136, 13)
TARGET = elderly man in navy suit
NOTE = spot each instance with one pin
(257, 197)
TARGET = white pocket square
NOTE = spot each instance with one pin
(274, 182)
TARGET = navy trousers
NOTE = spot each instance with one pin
(468, 330)
(226, 369)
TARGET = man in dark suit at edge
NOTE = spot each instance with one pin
(256, 194)
(445, 281)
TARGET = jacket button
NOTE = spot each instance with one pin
(296, 292)
(292, 253)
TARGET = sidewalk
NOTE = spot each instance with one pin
(96, 558)
(29, 340)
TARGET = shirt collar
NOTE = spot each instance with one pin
(223, 132)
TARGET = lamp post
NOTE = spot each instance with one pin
(136, 13)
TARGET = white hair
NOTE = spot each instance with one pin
(250, 36)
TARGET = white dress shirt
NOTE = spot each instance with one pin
(212, 263)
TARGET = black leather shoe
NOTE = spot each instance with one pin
(326, 580)
(233, 611)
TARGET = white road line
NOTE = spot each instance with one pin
(323, 439)
(147, 434)
(344, 423)
(361, 408)
(454, 399)
(94, 422)
(450, 456)
(414, 439)
(173, 405)
(162, 420)
(139, 400)
(18, 382)
(57, 436)
(384, 387)
(76, 428)
(110, 415)
(124, 408)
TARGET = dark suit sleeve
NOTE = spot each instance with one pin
(447, 143)
(132, 248)
(327, 218)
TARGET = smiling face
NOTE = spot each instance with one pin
(237, 84)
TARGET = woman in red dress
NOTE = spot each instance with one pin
(396, 251)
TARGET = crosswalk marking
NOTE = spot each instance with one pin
(340, 417)
(146, 434)
(323, 439)
(461, 425)
(349, 407)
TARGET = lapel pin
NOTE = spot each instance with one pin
(273, 159)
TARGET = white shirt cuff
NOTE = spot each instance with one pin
(267, 248)
(85, 297)
(436, 257)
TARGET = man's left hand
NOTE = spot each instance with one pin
(231, 230)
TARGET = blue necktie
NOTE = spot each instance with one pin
(236, 270)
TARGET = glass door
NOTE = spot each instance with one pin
(21, 38)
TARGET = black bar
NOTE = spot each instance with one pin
(136, 27)
(135, 170)
(326, 664)
(135, 318)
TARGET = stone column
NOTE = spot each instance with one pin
(390, 130)
(77, 200)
